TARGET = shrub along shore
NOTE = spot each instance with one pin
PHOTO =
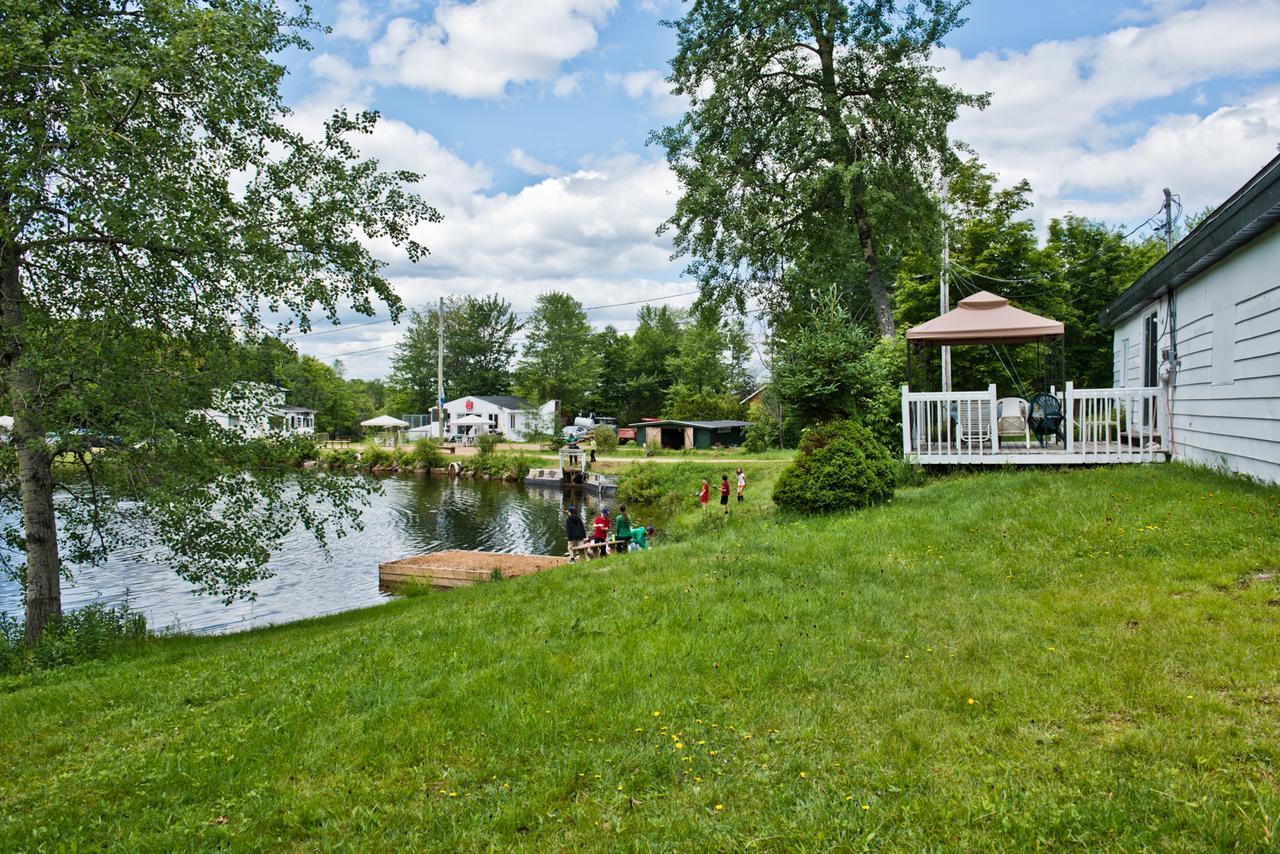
(994, 661)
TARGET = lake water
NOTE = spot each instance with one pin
(414, 515)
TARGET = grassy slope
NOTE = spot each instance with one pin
(994, 661)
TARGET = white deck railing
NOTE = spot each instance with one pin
(1108, 425)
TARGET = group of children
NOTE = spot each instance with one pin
(704, 495)
(620, 529)
(623, 532)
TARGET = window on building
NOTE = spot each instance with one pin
(512, 421)
(1150, 351)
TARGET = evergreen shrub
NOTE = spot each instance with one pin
(840, 466)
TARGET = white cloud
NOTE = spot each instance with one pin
(1060, 111)
(597, 221)
(479, 49)
(566, 85)
(650, 86)
(531, 165)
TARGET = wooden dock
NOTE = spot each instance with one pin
(461, 568)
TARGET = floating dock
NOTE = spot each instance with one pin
(461, 568)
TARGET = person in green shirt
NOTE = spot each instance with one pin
(622, 525)
(640, 536)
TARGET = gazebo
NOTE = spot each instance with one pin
(384, 423)
(987, 318)
(950, 427)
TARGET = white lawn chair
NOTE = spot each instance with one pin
(1011, 417)
(973, 423)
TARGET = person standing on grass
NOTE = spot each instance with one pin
(742, 482)
(704, 495)
(574, 530)
(724, 493)
(622, 528)
(600, 527)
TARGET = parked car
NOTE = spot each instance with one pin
(576, 432)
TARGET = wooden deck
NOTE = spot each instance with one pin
(461, 568)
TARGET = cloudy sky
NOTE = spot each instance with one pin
(529, 119)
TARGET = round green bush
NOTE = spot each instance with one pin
(840, 466)
(605, 439)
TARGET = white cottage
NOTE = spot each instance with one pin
(256, 409)
(513, 417)
(1204, 324)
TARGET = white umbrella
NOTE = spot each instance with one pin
(470, 420)
(384, 421)
(6, 422)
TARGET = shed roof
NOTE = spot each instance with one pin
(1251, 210)
(985, 318)
(706, 425)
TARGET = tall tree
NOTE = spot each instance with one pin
(708, 369)
(558, 362)
(815, 127)
(1096, 264)
(152, 202)
(612, 394)
(478, 349)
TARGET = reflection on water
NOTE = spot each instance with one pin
(414, 515)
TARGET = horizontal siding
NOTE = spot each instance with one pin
(1226, 396)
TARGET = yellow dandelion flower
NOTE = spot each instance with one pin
(866, 806)
(453, 794)
(848, 797)
(657, 714)
(719, 807)
(619, 787)
(679, 745)
(803, 775)
(697, 779)
(972, 701)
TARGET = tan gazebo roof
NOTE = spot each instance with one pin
(985, 318)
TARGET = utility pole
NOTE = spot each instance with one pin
(944, 287)
(1168, 219)
(440, 373)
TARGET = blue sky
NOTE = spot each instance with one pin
(529, 121)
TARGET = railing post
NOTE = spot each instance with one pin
(906, 424)
(1071, 417)
(993, 421)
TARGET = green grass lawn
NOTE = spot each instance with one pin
(1010, 660)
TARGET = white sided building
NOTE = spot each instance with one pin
(513, 417)
(258, 409)
(1204, 324)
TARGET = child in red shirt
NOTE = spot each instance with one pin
(724, 493)
(600, 526)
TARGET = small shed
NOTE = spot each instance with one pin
(687, 435)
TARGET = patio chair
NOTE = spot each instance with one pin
(973, 423)
(1045, 418)
(1011, 418)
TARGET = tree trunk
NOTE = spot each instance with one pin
(880, 300)
(35, 466)
(853, 157)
